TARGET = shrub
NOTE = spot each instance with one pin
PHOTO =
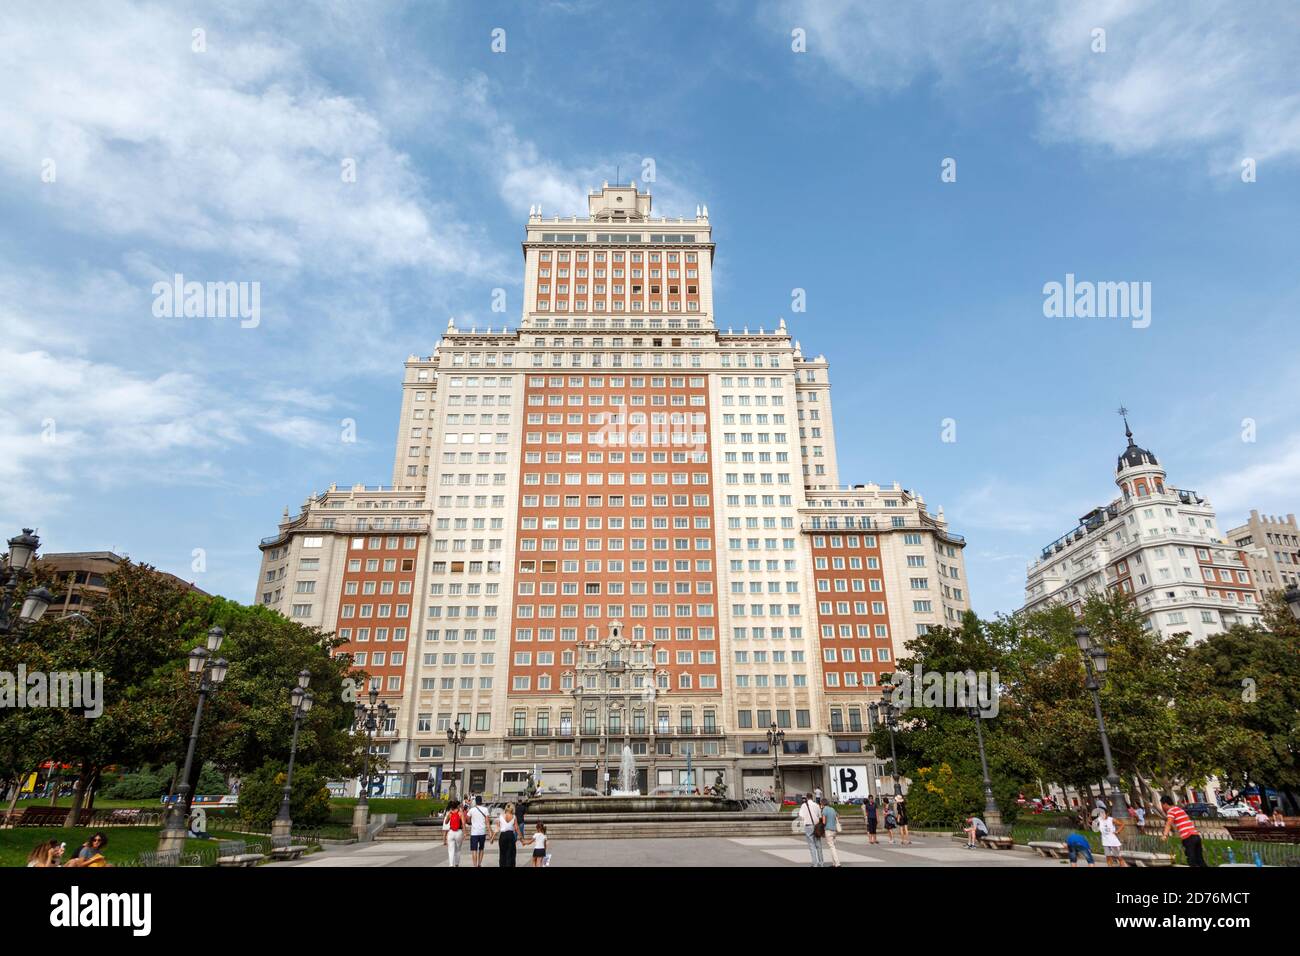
(939, 797)
(147, 783)
(141, 785)
(261, 792)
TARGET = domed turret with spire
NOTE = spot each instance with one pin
(1137, 470)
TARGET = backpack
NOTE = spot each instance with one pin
(890, 819)
(453, 820)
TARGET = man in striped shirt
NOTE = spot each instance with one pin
(1176, 818)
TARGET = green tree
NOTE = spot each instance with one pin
(939, 737)
(1247, 682)
(132, 637)
(138, 637)
(251, 720)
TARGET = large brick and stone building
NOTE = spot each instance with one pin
(80, 578)
(1272, 548)
(619, 525)
(1158, 544)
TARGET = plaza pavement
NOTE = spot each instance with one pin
(701, 852)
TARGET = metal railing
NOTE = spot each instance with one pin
(1216, 852)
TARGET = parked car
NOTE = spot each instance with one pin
(1202, 811)
(1236, 810)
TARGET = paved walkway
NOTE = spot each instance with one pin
(703, 851)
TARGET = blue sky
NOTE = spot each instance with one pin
(821, 170)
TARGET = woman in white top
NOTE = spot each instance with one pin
(539, 844)
(507, 835)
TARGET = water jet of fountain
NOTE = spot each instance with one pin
(627, 773)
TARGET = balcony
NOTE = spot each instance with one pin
(562, 731)
(908, 523)
(644, 730)
(835, 728)
(1226, 604)
(351, 524)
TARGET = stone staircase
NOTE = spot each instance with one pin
(645, 826)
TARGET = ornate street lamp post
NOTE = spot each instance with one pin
(888, 713)
(775, 741)
(992, 815)
(22, 551)
(210, 674)
(456, 735)
(369, 717)
(1094, 663)
(300, 698)
(1292, 596)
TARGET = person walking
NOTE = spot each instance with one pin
(901, 813)
(478, 830)
(810, 815)
(891, 821)
(507, 835)
(539, 844)
(453, 833)
(1176, 818)
(832, 820)
(869, 811)
(1140, 814)
(1110, 829)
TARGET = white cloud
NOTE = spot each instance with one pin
(561, 189)
(236, 151)
(1211, 79)
(998, 505)
(79, 425)
(1268, 486)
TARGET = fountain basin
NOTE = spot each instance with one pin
(629, 803)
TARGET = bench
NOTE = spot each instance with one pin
(235, 853)
(121, 817)
(1050, 849)
(996, 842)
(283, 848)
(40, 817)
(1145, 858)
(1264, 834)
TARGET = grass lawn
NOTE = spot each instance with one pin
(406, 808)
(100, 803)
(124, 843)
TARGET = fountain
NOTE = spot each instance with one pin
(607, 671)
(627, 785)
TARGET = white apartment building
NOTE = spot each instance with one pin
(1158, 544)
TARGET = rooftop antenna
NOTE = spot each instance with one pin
(1122, 412)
